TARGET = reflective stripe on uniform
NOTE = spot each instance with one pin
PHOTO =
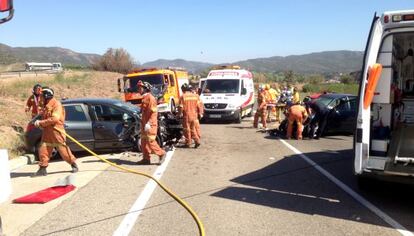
(190, 98)
(149, 137)
(52, 144)
(56, 114)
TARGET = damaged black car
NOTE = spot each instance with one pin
(106, 125)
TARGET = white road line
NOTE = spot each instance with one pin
(351, 192)
(129, 221)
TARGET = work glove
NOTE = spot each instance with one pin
(37, 123)
(147, 127)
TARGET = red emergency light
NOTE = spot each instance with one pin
(386, 19)
(408, 17)
(5, 5)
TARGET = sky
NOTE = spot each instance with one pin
(215, 31)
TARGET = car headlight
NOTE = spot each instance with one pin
(231, 106)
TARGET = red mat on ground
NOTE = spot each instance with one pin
(45, 195)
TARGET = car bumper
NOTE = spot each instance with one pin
(221, 114)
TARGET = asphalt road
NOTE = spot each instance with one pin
(240, 182)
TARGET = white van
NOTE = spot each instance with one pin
(228, 94)
(384, 139)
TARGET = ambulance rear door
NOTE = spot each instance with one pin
(362, 134)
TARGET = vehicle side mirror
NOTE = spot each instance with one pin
(244, 91)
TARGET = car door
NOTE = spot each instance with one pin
(78, 124)
(345, 115)
(108, 127)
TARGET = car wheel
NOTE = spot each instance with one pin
(172, 106)
(137, 146)
(160, 140)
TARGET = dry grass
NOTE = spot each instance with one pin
(14, 92)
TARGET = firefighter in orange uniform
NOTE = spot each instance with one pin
(149, 125)
(53, 116)
(296, 113)
(35, 101)
(201, 113)
(261, 108)
(190, 109)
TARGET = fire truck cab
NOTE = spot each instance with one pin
(166, 86)
(384, 139)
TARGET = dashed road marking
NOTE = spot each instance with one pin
(129, 221)
(401, 229)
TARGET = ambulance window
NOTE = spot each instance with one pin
(172, 83)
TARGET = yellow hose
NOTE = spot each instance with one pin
(174, 196)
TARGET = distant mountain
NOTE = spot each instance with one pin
(320, 62)
(192, 66)
(9, 55)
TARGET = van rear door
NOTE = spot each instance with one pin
(362, 134)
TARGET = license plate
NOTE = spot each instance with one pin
(215, 116)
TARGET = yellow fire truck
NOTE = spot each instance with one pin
(166, 84)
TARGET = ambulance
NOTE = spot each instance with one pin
(384, 137)
(228, 94)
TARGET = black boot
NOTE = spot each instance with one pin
(40, 172)
(144, 162)
(74, 168)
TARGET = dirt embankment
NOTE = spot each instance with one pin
(14, 92)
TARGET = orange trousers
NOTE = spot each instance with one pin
(150, 146)
(45, 151)
(190, 130)
(198, 129)
(298, 118)
(262, 115)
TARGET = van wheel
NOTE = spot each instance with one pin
(239, 118)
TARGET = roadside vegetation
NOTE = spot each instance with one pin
(71, 84)
(313, 83)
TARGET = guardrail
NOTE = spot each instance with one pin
(27, 73)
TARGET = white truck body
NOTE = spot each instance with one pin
(384, 139)
(33, 66)
(228, 94)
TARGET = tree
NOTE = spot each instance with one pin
(289, 77)
(316, 79)
(115, 60)
(347, 79)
